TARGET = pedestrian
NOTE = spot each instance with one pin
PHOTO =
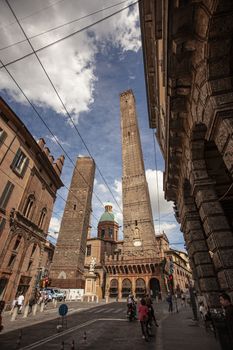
(2, 305)
(225, 301)
(170, 302)
(202, 310)
(151, 313)
(143, 318)
(20, 301)
(183, 301)
(32, 301)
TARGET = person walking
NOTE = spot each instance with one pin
(143, 318)
(170, 302)
(226, 303)
(20, 301)
(151, 314)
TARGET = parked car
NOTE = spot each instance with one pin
(55, 293)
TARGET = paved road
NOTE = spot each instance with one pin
(104, 324)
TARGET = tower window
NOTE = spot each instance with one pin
(28, 206)
(102, 233)
(88, 249)
(74, 206)
(128, 133)
(136, 222)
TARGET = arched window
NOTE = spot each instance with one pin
(126, 287)
(28, 207)
(113, 291)
(140, 287)
(42, 217)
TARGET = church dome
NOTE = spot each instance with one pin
(108, 215)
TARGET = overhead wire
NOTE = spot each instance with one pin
(55, 193)
(62, 25)
(63, 105)
(69, 35)
(157, 181)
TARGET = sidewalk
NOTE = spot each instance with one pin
(179, 331)
(48, 314)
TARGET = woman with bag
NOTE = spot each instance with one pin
(143, 318)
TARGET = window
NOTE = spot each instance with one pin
(20, 163)
(2, 224)
(88, 249)
(17, 243)
(102, 233)
(3, 136)
(6, 195)
(33, 249)
(12, 260)
(42, 217)
(28, 207)
(110, 232)
(29, 265)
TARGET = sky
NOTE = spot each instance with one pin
(89, 68)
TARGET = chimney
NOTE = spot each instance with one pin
(51, 158)
(58, 165)
(46, 151)
(41, 143)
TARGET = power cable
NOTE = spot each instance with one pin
(55, 193)
(68, 36)
(157, 182)
(62, 25)
(62, 103)
(32, 14)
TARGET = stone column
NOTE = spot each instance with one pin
(219, 233)
(198, 251)
(120, 289)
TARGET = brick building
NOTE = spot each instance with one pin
(135, 264)
(29, 181)
(187, 48)
(67, 269)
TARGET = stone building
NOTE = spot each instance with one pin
(67, 269)
(136, 263)
(187, 48)
(29, 181)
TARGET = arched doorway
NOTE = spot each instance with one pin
(126, 287)
(154, 287)
(113, 290)
(140, 288)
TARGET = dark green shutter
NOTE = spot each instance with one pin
(2, 224)
(15, 160)
(3, 137)
(24, 167)
(6, 194)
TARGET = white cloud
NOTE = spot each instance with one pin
(71, 64)
(165, 207)
(102, 188)
(54, 226)
(56, 139)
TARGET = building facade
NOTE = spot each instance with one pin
(67, 269)
(187, 48)
(29, 181)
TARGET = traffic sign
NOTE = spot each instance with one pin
(63, 309)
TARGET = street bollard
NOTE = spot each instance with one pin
(18, 343)
(62, 345)
(55, 302)
(42, 307)
(72, 345)
(14, 314)
(26, 311)
(34, 309)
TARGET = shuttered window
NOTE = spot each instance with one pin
(3, 136)
(2, 224)
(20, 163)
(6, 195)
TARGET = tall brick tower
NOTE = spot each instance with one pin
(139, 234)
(68, 263)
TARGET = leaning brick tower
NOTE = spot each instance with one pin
(137, 266)
(67, 268)
(139, 233)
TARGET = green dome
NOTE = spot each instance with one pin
(108, 214)
(107, 217)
